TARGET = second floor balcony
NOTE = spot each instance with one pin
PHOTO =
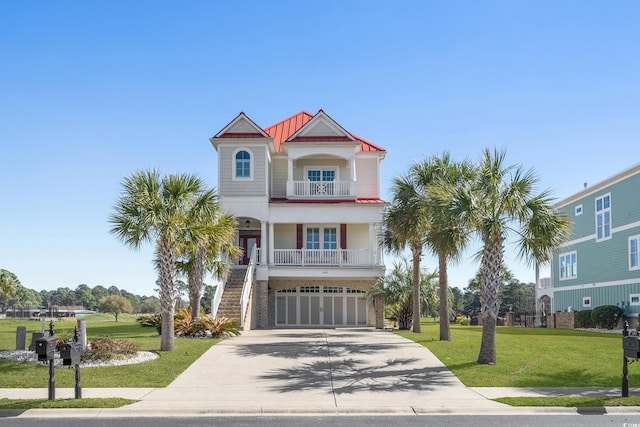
(321, 190)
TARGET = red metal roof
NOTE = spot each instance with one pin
(283, 130)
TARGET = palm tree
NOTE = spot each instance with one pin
(445, 237)
(157, 210)
(501, 201)
(404, 225)
(397, 289)
(210, 242)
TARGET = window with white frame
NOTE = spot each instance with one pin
(578, 210)
(634, 299)
(568, 263)
(603, 217)
(328, 239)
(242, 164)
(634, 255)
(586, 302)
(321, 180)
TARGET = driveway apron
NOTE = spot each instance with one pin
(316, 371)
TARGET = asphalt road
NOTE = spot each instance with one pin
(350, 421)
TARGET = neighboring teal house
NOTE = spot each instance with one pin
(600, 265)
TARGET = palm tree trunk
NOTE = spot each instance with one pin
(196, 282)
(489, 299)
(417, 254)
(167, 267)
(445, 333)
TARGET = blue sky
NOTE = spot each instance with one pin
(91, 91)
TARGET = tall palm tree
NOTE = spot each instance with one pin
(502, 201)
(205, 249)
(157, 210)
(445, 237)
(404, 225)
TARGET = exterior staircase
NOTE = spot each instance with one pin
(230, 302)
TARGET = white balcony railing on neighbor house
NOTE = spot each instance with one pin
(321, 189)
(327, 257)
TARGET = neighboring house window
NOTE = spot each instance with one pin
(634, 299)
(603, 217)
(586, 302)
(242, 165)
(578, 210)
(329, 238)
(634, 256)
(568, 265)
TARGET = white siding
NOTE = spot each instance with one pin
(279, 171)
(229, 187)
(367, 178)
(285, 236)
(357, 236)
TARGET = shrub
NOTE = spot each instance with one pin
(151, 321)
(585, 319)
(106, 348)
(221, 326)
(462, 320)
(606, 316)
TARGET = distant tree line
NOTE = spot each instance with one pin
(15, 295)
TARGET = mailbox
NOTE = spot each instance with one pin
(631, 346)
(45, 348)
(70, 353)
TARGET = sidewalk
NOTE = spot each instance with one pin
(330, 372)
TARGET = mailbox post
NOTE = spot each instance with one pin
(70, 354)
(45, 348)
(630, 348)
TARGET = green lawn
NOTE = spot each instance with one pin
(157, 373)
(531, 357)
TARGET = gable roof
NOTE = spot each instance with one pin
(293, 129)
(241, 127)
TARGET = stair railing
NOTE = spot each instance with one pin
(248, 282)
(217, 297)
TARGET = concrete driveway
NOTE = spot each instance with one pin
(337, 371)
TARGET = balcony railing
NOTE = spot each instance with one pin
(321, 189)
(323, 257)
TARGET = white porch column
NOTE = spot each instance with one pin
(270, 239)
(352, 169)
(372, 255)
(264, 258)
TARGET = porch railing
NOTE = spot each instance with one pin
(328, 257)
(217, 297)
(321, 189)
(249, 278)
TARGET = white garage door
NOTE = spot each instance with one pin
(321, 306)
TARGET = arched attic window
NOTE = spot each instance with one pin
(242, 164)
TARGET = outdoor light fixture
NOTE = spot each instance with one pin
(247, 223)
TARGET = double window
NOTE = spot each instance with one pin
(321, 181)
(603, 217)
(568, 265)
(242, 164)
(325, 238)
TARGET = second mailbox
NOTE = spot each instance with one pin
(45, 348)
(631, 346)
(70, 353)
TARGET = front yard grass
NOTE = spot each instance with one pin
(531, 357)
(157, 373)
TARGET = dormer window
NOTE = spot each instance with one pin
(242, 165)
